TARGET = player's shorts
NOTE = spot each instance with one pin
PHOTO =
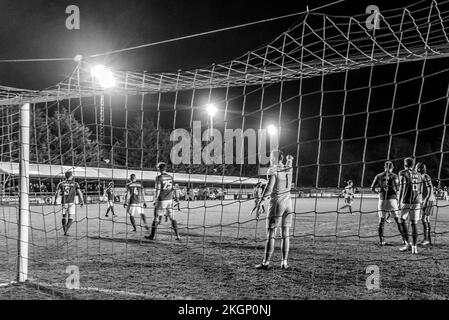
(110, 203)
(349, 200)
(386, 206)
(412, 211)
(68, 209)
(164, 208)
(428, 208)
(135, 210)
(280, 213)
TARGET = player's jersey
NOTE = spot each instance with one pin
(164, 183)
(427, 193)
(176, 194)
(411, 183)
(283, 183)
(110, 193)
(135, 193)
(348, 192)
(68, 190)
(388, 183)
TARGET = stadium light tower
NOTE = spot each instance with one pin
(106, 80)
(103, 76)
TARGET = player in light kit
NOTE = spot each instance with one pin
(109, 193)
(135, 202)
(176, 196)
(348, 194)
(429, 202)
(410, 197)
(257, 192)
(280, 209)
(68, 189)
(386, 184)
(163, 204)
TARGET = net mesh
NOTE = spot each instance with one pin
(344, 99)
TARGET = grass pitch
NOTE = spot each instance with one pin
(221, 244)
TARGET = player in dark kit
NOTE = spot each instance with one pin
(109, 193)
(68, 189)
(410, 197)
(429, 202)
(135, 202)
(163, 204)
(386, 185)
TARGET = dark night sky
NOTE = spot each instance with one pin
(36, 29)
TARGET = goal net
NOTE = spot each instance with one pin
(340, 96)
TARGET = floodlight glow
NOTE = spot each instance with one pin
(211, 109)
(272, 130)
(104, 76)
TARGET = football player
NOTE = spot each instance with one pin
(410, 197)
(135, 202)
(163, 204)
(429, 202)
(109, 194)
(257, 192)
(280, 210)
(386, 185)
(68, 188)
(176, 197)
(348, 194)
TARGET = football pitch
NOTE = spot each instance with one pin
(330, 255)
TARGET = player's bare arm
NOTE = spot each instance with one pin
(375, 184)
(80, 196)
(127, 195)
(56, 193)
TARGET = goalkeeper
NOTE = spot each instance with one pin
(280, 210)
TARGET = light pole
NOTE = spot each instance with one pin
(106, 80)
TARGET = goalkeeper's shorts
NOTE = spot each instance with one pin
(386, 206)
(280, 213)
(412, 211)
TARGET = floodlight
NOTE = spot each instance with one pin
(104, 76)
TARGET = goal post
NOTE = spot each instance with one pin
(24, 205)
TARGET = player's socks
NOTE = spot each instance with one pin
(381, 230)
(405, 231)
(174, 224)
(285, 247)
(64, 225)
(145, 224)
(424, 224)
(269, 248)
(107, 211)
(153, 229)
(69, 224)
(112, 210)
(133, 222)
(429, 238)
(414, 233)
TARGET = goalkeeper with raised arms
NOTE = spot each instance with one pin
(280, 210)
